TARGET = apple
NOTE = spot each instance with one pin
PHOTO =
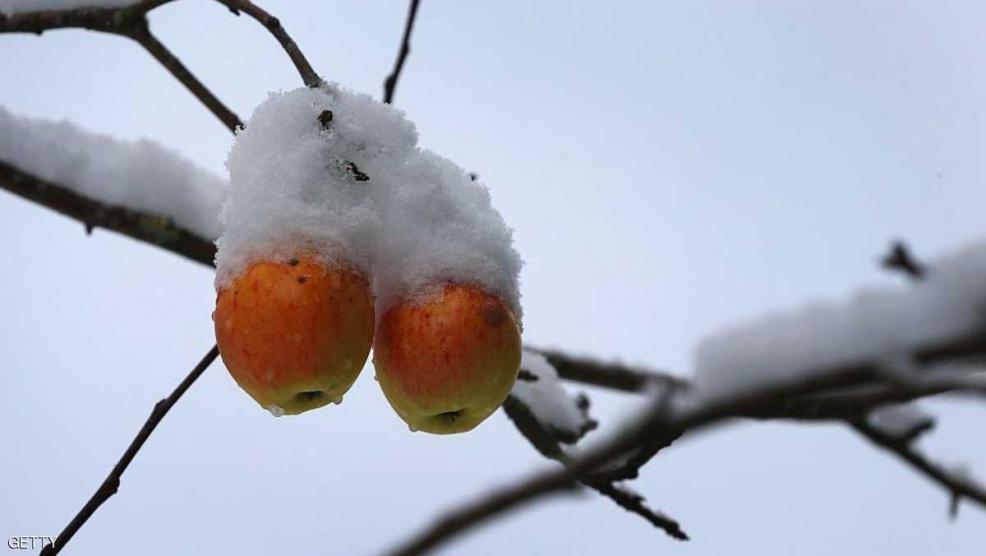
(295, 334)
(448, 361)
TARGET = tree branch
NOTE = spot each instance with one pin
(144, 37)
(547, 445)
(273, 25)
(661, 422)
(112, 482)
(390, 83)
(154, 229)
(130, 22)
(957, 485)
(612, 375)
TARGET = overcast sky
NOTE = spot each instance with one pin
(669, 168)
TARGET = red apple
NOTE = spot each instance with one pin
(446, 362)
(295, 334)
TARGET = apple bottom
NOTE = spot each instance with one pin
(447, 362)
(295, 334)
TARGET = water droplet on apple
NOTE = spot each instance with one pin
(275, 410)
(337, 400)
(411, 428)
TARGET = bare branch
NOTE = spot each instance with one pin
(390, 83)
(273, 25)
(548, 445)
(612, 375)
(144, 37)
(130, 22)
(112, 482)
(956, 484)
(106, 20)
(154, 229)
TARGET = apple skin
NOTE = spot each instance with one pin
(447, 362)
(295, 334)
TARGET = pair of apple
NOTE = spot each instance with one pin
(295, 334)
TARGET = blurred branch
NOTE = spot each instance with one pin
(957, 484)
(111, 484)
(390, 83)
(661, 422)
(548, 445)
(900, 259)
(611, 375)
(273, 25)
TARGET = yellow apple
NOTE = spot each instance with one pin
(295, 334)
(446, 362)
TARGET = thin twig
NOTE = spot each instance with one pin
(390, 83)
(112, 481)
(957, 486)
(273, 25)
(610, 374)
(144, 37)
(128, 21)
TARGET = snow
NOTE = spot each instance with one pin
(354, 189)
(18, 6)
(903, 421)
(141, 175)
(547, 399)
(874, 325)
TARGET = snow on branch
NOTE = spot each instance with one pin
(138, 176)
(935, 318)
(547, 416)
(538, 388)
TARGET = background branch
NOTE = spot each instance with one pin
(957, 484)
(548, 446)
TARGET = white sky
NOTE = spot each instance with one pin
(669, 168)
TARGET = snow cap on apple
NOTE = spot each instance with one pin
(337, 224)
